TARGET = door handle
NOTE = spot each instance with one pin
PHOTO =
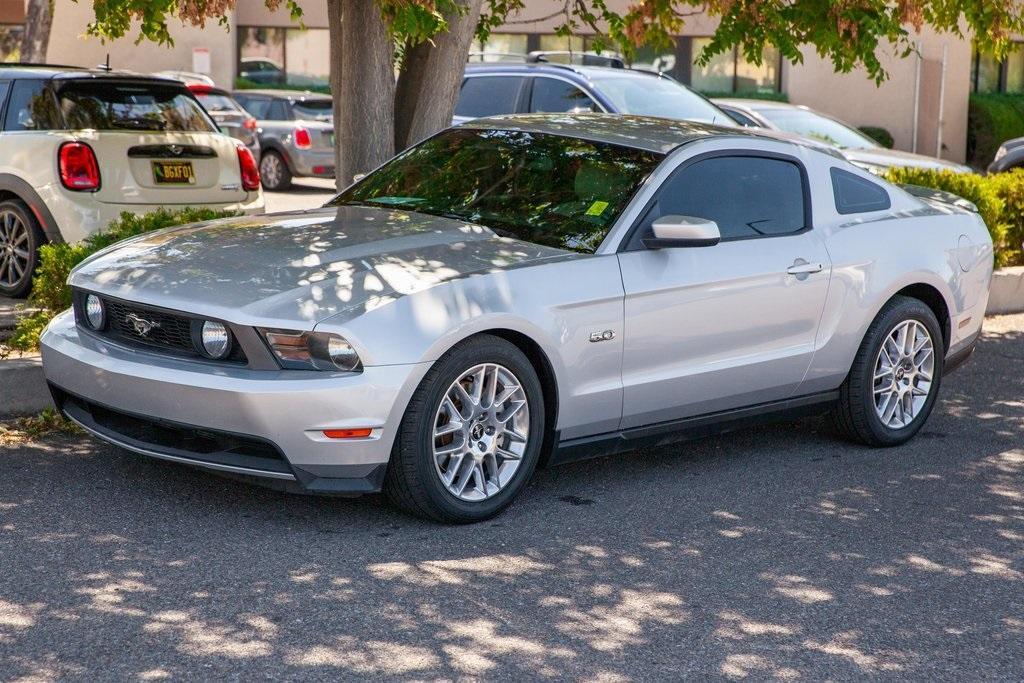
(802, 267)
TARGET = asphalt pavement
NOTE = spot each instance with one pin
(776, 552)
(305, 193)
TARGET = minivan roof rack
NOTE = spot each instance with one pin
(610, 59)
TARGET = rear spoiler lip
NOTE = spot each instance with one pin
(940, 196)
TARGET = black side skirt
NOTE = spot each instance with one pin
(689, 428)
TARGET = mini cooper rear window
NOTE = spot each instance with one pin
(556, 191)
(131, 106)
(854, 194)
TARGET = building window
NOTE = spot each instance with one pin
(284, 56)
(989, 75)
(501, 47)
(10, 42)
(731, 72)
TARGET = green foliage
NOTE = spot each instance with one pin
(879, 135)
(999, 198)
(992, 118)
(752, 95)
(50, 293)
(245, 84)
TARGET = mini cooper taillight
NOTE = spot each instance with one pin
(78, 168)
(250, 171)
(302, 138)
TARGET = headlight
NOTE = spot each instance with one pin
(95, 313)
(214, 340)
(312, 350)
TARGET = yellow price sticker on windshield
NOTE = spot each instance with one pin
(597, 208)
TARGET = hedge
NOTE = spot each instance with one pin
(879, 135)
(999, 198)
(992, 119)
(50, 292)
(244, 84)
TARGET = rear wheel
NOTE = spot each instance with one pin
(895, 378)
(274, 172)
(20, 238)
(471, 436)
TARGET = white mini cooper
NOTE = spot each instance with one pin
(78, 147)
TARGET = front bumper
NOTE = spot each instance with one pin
(266, 424)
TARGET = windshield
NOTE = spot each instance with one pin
(131, 106)
(813, 125)
(551, 190)
(662, 97)
(317, 110)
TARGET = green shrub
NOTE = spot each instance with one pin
(245, 84)
(879, 135)
(50, 293)
(752, 95)
(992, 119)
(999, 198)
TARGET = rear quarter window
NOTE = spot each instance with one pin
(854, 194)
(31, 107)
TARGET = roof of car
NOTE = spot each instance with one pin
(641, 132)
(284, 94)
(60, 71)
(584, 72)
(754, 104)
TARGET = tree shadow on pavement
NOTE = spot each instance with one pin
(776, 552)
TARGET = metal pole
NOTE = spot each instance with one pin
(917, 98)
(942, 102)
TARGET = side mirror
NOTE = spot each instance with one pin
(683, 231)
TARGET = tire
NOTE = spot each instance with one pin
(20, 239)
(416, 477)
(858, 416)
(274, 172)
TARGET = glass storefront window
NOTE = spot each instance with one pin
(986, 73)
(716, 76)
(501, 47)
(283, 56)
(10, 43)
(553, 43)
(1015, 69)
(731, 72)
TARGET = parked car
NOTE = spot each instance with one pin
(80, 146)
(296, 134)
(538, 86)
(1010, 155)
(520, 290)
(229, 115)
(268, 72)
(804, 121)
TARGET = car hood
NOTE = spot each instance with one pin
(295, 269)
(887, 158)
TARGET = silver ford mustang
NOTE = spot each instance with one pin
(520, 291)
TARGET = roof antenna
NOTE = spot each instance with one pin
(106, 66)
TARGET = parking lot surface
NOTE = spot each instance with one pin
(775, 552)
(305, 193)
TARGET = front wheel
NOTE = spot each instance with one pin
(471, 436)
(895, 378)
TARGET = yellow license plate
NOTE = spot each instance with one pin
(173, 173)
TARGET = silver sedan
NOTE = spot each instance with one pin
(523, 291)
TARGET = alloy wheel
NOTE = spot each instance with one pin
(270, 170)
(14, 249)
(903, 374)
(481, 431)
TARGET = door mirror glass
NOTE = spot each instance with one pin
(683, 231)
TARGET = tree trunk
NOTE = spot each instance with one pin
(428, 86)
(365, 94)
(35, 40)
(334, 13)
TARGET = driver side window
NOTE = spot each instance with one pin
(554, 96)
(747, 196)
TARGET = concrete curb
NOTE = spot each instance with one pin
(1007, 292)
(23, 389)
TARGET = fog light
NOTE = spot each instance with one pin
(216, 339)
(95, 314)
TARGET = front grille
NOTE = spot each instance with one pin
(151, 328)
(204, 446)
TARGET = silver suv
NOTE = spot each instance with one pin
(296, 133)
